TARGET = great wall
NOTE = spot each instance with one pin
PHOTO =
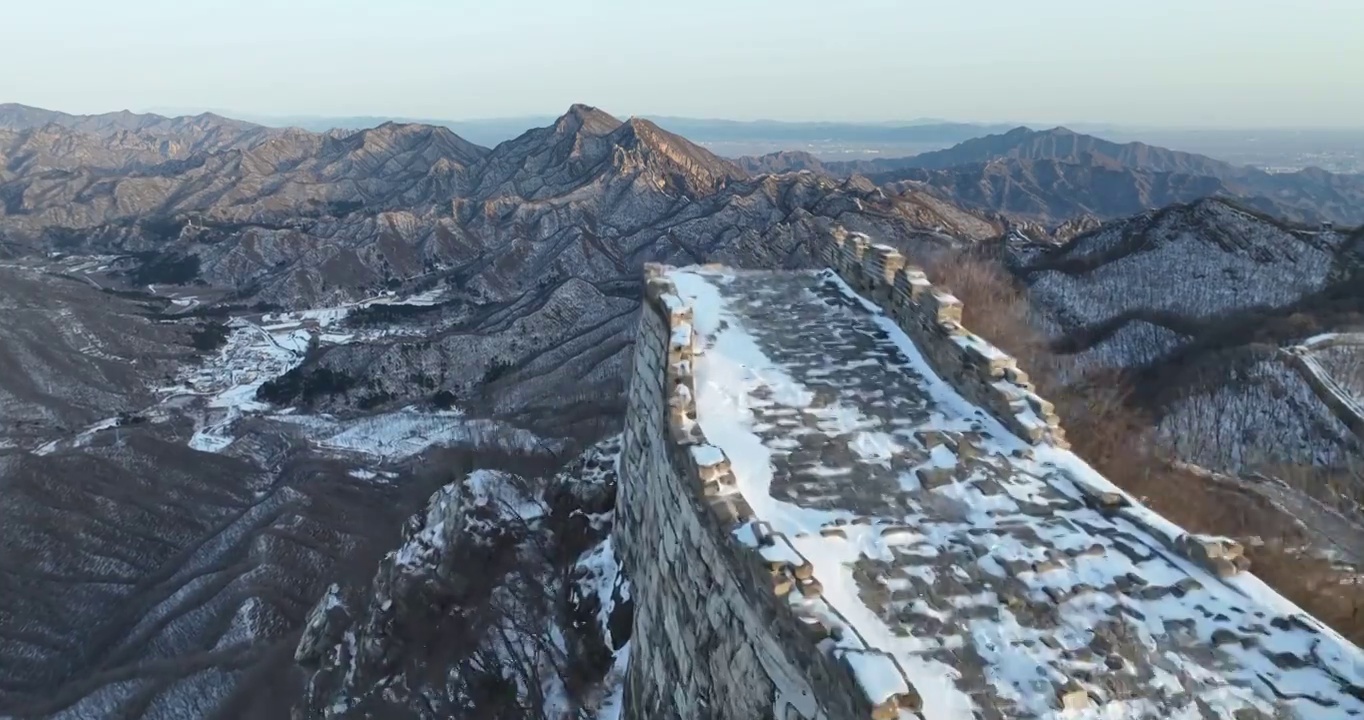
(1303, 359)
(837, 502)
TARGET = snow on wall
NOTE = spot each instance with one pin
(742, 613)
(1333, 365)
(983, 373)
(709, 637)
(1341, 357)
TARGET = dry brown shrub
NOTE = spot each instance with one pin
(1332, 595)
(1116, 439)
(993, 306)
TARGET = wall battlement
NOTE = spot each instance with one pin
(931, 316)
(744, 610)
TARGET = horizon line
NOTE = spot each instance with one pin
(265, 118)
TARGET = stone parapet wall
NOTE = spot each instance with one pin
(931, 317)
(990, 378)
(715, 631)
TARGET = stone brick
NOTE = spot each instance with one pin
(1073, 697)
(935, 477)
(1217, 555)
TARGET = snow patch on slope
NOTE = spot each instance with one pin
(409, 431)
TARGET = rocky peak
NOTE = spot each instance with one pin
(584, 143)
(672, 155)
(547, 160)
(585, 120)
(859, 183)
(404, 137)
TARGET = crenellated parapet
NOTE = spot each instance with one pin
(698, 461)
(931, 316)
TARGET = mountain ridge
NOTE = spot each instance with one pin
(1060, 143)
(1052, 176)
(14, 116)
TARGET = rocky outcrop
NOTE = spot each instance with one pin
(502, 601)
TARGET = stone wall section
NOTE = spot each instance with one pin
(729, 620)
(714, 632)
(1329, 392)
(991, 379)
(931, 317)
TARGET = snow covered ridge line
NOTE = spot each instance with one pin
(931, 317)
(883, 683)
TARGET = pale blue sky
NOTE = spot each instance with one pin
(1167, 62)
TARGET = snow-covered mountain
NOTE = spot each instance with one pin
(504, 599)
(1199, 303)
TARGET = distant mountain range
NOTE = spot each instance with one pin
(1337, 150)
(1044, 177)
(491, 131)
(131, 183)
(1051, 176)
(20, 117)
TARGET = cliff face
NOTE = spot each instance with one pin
(504, 600)
(710, 638)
